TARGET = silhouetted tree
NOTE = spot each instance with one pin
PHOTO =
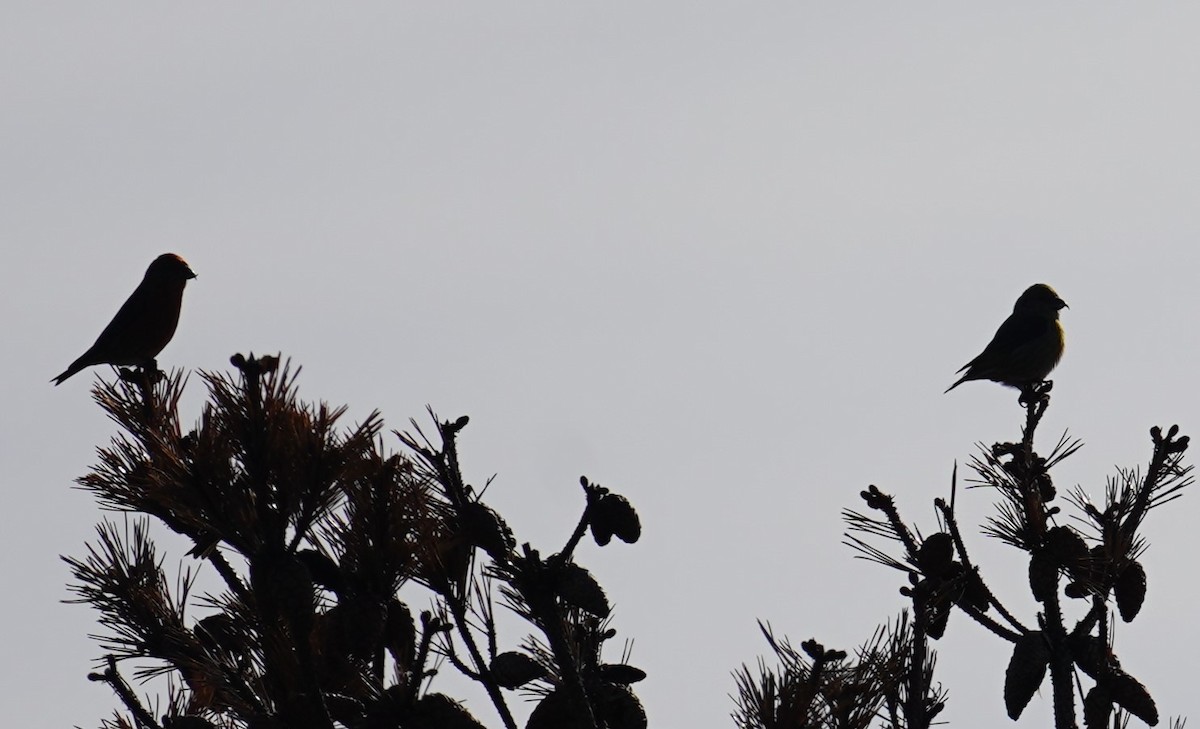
(1094, 560)
(313, 530)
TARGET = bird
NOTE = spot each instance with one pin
(145, 322)
(1026, 347)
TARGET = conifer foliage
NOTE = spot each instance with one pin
(312, 530)
(1081, 564)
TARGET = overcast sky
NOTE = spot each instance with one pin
(722, 258)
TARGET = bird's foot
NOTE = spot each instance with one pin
(1035, 392)
(147, 374)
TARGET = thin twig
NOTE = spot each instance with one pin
(956, 535)
(113, 678)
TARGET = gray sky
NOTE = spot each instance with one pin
(722, 258)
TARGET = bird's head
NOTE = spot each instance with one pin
(169, 267)
(1039, 299)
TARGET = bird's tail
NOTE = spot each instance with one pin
(75, 367)
(961, 380)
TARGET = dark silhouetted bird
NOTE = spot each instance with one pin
(1026, 347)
(145, 322)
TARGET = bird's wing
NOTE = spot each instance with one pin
(1017, 331)
(125, 321)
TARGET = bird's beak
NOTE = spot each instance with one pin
(1064, 304)
(191, 274)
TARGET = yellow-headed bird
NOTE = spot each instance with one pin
(1027, 346)
(145, 322)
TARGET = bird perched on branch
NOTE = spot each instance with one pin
(1026, 347)
(145, 322)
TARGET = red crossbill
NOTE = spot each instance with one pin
(1026, 347)
(145, 322)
